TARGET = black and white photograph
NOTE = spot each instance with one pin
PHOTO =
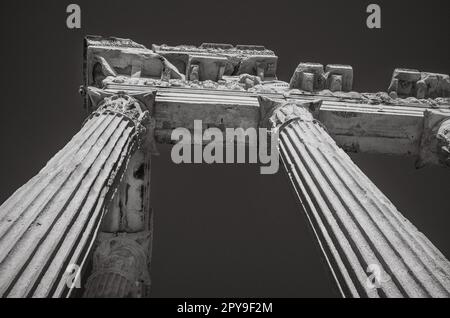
(225, 156)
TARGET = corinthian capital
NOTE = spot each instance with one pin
(275, 114)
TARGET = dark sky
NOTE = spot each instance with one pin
(223, 230)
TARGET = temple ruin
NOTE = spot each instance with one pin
(90, 205)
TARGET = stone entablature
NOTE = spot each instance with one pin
(413, 83)
(234, 60)
(122, 62)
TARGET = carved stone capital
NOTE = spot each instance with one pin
(138, 108)
(124, 105)
(435, 142)
(120, 268)
(275, 114)
(98, 97)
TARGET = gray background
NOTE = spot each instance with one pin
(223, 230)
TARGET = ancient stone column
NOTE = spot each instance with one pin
(371, 249)
(121, 262)
(50, 223)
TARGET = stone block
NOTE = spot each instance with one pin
(179, 60)
(405, 89)
(443, 85)
(346, 71)
(307, 81)
(431, 82)
(421, 89)
(407, 75)
(312, 68)
(194, 71)
(336, 82)
(409, 82)
(393, 87)
(260, 65)
(209, 67)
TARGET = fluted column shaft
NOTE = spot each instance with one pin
(371, 249)
(50, 223)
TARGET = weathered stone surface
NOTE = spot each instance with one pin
(403, 80)
(393, 87)
(345, 71)
(129, 210)
(406, 83)
(249, 81)
(307, 81)
(335, 77)
(393, 95)
(435, 140)
(359, 230)
(203, 68)
(335, 83)
(421, 89)
(249, 47)
(220, 46)
(406, 75)
(298, 77)
(262, 66)
(242, 59)
(438, 85)
(194, 72)
(106, 57)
